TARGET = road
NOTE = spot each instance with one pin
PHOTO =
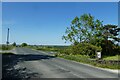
(45, 66)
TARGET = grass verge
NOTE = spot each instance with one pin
(117, 57)
(87, 60)
(6, 53)
(5, 47)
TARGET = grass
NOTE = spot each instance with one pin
(45, 48)
(87, 60)
(5, 47)
(6, 53)
(117, 57)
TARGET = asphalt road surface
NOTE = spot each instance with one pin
(45, 66)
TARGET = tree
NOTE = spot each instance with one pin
(83, 29)
(24, 44)
(14, 44)
(110, 35)
(111, 32)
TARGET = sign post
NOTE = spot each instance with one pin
(99, 55)
(7, 38)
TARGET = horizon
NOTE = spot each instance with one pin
(44, 23)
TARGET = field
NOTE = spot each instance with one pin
(48, 48)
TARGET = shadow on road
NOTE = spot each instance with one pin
(9, 61)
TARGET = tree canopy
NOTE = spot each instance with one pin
(24, 44)
(14, 44)
(83, 29)
(87, 29)
(111, 32)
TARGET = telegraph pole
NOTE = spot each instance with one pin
(7, 37)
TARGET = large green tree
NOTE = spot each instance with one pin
(111, 32)
(24, 44)
(14, 44)
(83, 29)
(111, 36)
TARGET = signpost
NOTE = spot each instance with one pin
(99, 55)
(7, 38)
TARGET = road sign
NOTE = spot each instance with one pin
(99, 55)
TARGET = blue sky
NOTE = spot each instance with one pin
(45, 23)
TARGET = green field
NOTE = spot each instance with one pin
(117, 57)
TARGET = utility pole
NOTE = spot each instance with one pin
(7, 37)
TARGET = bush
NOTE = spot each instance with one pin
(65, 51)
(5, 47)
(86, 49)
(82, 49)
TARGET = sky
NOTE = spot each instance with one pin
(44, 23)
